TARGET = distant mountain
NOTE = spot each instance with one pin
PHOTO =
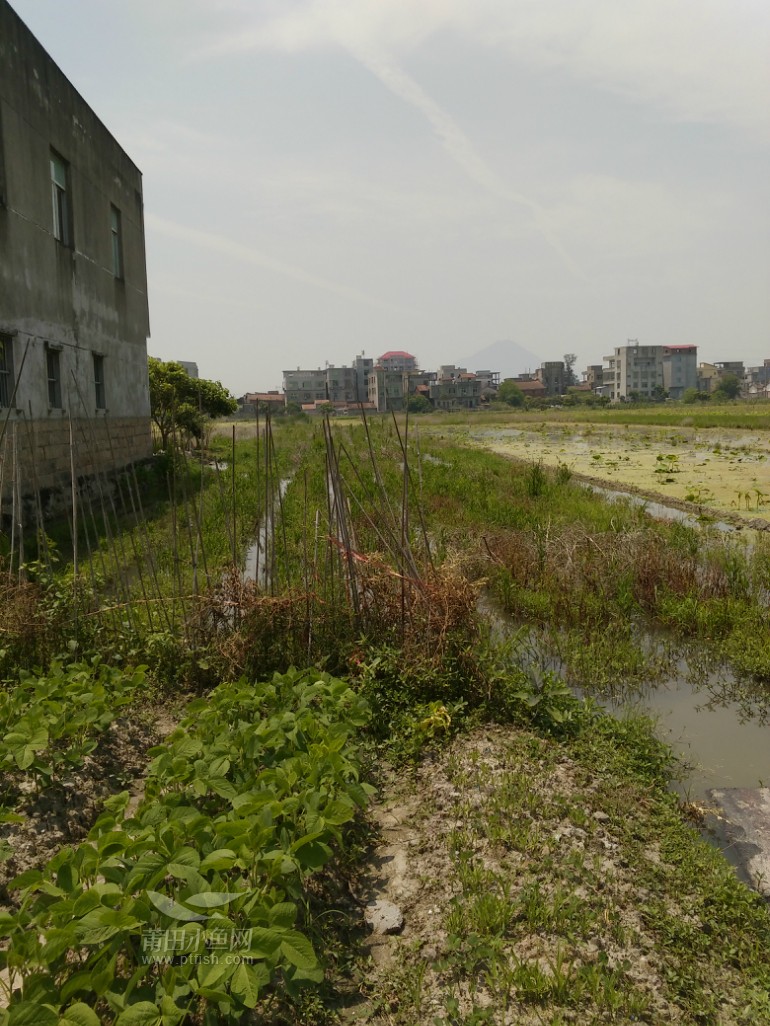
(505, 356)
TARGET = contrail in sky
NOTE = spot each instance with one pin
(457, 143)
(228, 247)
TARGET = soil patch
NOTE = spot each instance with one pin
(533, 889)
(64, 812)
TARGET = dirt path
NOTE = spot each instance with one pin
(532, 891)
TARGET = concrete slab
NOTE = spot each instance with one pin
(746, 829)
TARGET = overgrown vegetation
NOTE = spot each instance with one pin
(369, 548)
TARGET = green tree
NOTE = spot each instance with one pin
(692, 395)
(570, 377)
(509, 392)
(729, 388)
(419, 404)
(179, 402)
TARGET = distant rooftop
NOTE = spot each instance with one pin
(396, 352)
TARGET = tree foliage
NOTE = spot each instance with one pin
(181, 403)
(419, 404)
(693, 395)
(570, 377)
(509, 392)
(729, 388)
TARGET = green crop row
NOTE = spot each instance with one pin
(53, 720)
(187, 905)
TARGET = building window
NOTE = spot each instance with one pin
(53, 368)
(116, 231)
(62, 228)
(101, 403)
(6, 370)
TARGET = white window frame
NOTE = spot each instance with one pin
(60, 199)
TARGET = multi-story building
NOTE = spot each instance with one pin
(680, 369)
(455, 389)
(593, 376)
(757, 379)
(305, 386)
(73, 283)
(553, 375)
(328, 384)
(398, 360)
(633, 369)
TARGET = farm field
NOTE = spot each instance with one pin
(350, 709)
(726, 470)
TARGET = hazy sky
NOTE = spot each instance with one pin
(326, 177)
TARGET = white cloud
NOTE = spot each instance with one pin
(701, 60)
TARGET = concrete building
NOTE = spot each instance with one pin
(633, 368)
(251, 402)
(455, 389)
(190, 369)
(708, 377)
(398, 360)
(347, 385)
(553, 376)
(387, 390)
(757, 379)
(680, 369)
(531, 387)
(73, 284)
(593, 376)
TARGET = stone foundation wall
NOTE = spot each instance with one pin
(39, 454)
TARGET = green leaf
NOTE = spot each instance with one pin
(313, 855)
(186, 857)
(222, 858)
(102, 923)
(79, 1015)
(30, 1013)
(143, 1013)
(247, 981)
(25, 879)
(282, 914)
(298, 950)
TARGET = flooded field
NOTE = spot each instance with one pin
(720, 469)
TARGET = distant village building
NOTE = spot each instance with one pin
(393, 378)
(344, 384)
(593, 376)
(680, 369)
(646, 371)
(553, 375)
(398, 360)
(708, 377)
(757, 380)
(253, 402)
(455, 389)
(191, 369)
(531, 387)
(74, 316)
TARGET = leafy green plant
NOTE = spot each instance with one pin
(51, 721)
(190, 903)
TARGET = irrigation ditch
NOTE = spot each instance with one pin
(347, 731)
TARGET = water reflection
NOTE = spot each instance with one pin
(716, 722)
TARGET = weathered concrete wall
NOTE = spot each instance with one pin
(67, 295)
(41, 455)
